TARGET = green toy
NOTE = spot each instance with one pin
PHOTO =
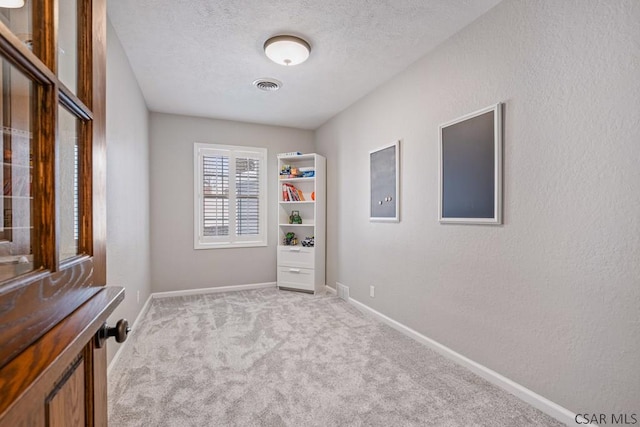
(290, 239)
(295, 218)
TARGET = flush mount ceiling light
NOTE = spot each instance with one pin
(11, 4)
(287, 50)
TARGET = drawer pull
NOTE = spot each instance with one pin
(295, 249)
(294, 270)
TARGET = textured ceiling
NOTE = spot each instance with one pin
(200, 57)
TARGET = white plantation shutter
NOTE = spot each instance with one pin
(215, 193)
(230, 196)
(247, 196)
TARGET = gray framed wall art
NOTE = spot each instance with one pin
(385, 183)
(471, 168)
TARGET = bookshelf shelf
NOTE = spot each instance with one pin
(297, 179)
(297, 202)
(300, 267)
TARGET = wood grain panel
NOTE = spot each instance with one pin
(99, 385)
(44, 214)
(28, 311)
(66, 405)
(43, 34)
(30, 376)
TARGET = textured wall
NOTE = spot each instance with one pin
(128, 251)
(175, 265)
(551, 299)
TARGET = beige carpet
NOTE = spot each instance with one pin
(278, 358)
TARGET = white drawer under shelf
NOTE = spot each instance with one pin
(296, 278)
(296, 256)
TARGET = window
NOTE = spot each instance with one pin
(230, 196)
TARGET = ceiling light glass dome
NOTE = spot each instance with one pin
(287, 50)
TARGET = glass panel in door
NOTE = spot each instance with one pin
(16, 15)
(68, 44)
(67, 185)
(16, 174)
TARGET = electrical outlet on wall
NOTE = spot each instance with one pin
(372, 291)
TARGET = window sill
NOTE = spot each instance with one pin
(200, 246)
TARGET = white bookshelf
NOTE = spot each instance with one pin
(302, 268)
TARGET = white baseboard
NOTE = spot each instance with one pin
(545, 405)
(330, 290)
(116, 356)
(200, 291)
(213, 290)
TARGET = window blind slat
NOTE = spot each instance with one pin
(247, 196)
(215, 191)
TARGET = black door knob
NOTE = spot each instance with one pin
(120, 331)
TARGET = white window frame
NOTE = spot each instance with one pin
(232, 240)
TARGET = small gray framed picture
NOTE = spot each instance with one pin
(385, 183)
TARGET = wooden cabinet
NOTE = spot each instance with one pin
(301, 214)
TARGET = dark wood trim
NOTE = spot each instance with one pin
(44, 208)
(74, 104)
(98, 388)
(85, 201)
(85, 54)
(86, 137)
(90, 386)
(42, 363)
(44, 45)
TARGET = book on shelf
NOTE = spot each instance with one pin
(291, 194)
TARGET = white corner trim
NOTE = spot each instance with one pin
(116, 356)
(200, 291)
(213, 290)
(330, 290)
(545, 405)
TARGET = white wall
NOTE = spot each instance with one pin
(128, 251)
(175, 265)
(551, 299)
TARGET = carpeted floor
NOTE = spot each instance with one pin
(278, 358)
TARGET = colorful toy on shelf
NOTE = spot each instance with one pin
(308, 242)
(285, 170)
(295, 218)
(288, 171)
(307, 172)
(290, 239)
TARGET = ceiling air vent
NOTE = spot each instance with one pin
(268, 85)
